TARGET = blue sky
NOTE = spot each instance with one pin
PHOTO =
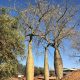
(68, 61)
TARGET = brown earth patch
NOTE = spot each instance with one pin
(75, 75)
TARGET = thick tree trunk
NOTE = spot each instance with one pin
(46, 67)
(30, 63)
(58, 65)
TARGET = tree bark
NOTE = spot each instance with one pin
(46, 66)
(58, 65)
(30, 63)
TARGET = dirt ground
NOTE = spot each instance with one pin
(75, 75)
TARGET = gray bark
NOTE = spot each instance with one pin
(58, 65)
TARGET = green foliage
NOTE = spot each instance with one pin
(21, 69)
(11, 45)
(51, 73)
(3, 10)
(38, 71)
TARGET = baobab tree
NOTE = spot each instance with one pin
(59, 24)
(46, 65)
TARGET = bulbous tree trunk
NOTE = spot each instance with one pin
(58, 65)
(46, 66)
(30, 63)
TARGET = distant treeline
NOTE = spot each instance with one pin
(37, 70)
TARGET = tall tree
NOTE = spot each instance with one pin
(46, 65)
(30, 62)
